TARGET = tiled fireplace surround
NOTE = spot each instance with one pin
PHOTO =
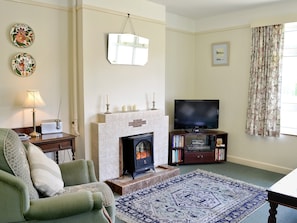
(107, 134)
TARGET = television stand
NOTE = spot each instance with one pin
(207, 146)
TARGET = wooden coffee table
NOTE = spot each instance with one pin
(283, 192)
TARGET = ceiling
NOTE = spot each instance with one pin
(198, 9)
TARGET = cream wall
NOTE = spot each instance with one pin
(70, 51)
(124, 85)
(180, 68)
(51, 53)
(52, 76)
(228, 83)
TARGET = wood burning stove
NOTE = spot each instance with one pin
(138, 154)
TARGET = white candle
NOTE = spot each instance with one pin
(134, 107)
(154, 96)
(124, 108)
(106, 99)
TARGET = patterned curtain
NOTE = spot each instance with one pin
(263, 113)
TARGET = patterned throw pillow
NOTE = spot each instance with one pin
(45, 173)
(15, 156)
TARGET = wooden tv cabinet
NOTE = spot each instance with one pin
(209, 146)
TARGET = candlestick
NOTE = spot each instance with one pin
(107, 109)
(154, 104)
(154, 108)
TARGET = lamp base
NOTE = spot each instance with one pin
(35, 134)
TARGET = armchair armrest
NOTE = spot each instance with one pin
(14, 198)
(78, 172)
(64, 205)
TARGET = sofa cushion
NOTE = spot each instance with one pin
(46, 174)
(14, 160)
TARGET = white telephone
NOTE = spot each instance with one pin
(23, 136)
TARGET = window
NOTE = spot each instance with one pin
(289, 81)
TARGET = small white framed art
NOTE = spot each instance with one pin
(220, 54)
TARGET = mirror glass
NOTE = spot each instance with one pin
(127, 49)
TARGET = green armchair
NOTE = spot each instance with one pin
(83, 199)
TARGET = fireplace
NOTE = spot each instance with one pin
(111, 128)
(138, 154)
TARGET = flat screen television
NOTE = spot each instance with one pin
(196, 114)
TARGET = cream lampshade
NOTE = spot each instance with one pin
(33, 100)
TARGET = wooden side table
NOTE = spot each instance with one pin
(52, 142)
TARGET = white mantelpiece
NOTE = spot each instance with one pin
(106, 135)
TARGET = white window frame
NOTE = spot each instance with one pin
(288, 117)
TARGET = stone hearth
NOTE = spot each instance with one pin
(125, 184)
(110, 128)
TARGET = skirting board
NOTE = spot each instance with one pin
(260, 165)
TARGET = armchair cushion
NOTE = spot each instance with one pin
(75, 172)
(45, 173)
(14, 160)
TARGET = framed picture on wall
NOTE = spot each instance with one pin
(220, 54)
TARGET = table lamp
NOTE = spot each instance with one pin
(33, 100)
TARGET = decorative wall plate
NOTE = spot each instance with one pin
(22, 35)
(23, 64)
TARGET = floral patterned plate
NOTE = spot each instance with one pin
(22, 35)
(23, 64)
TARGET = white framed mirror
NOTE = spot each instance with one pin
(127, 49)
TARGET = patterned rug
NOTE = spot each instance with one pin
(196, 197)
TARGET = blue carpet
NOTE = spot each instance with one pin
(195, 197)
